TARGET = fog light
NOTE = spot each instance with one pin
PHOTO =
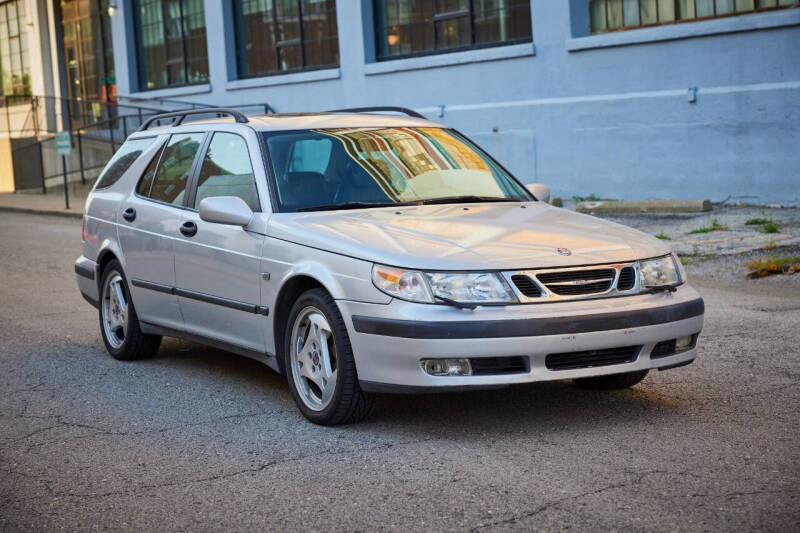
(446, 367)
(684, 343)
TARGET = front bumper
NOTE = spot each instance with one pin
(390, 340)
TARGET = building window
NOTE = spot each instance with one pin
(89, 57)
(14, 66)
(417, 27)
(613, 15)
(275, 36)
(171, 43)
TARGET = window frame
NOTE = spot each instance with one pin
(20, 37)
(676, 19)
(138, 36)
(194, 178)
(435, 19)
(240, 40)
(192, 172)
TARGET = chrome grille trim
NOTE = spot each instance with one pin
(548, 295)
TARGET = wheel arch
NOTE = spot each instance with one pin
(291, 289)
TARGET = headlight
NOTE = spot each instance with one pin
(659, 272)
(403, 284)
(455, 287)
(470, 287)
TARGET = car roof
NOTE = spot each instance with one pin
(307, 121)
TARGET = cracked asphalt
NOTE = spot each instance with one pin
(198, 439)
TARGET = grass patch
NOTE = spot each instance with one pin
(757, 221)
(685, 260)
(715, 226)
(663, 236)
(769, 227)
(773, 263)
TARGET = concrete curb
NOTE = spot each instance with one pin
(653, 206)
(30, 210)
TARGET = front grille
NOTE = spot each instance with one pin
(526, 286)
(483, 366)
(578, 282)
(591, 358)
(627, 279)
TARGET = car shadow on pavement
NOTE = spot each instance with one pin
(527, 408)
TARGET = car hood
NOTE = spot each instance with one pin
(488, 236)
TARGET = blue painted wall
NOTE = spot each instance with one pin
(604, 114)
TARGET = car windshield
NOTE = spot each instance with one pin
(349, 168)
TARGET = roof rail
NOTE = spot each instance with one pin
(179, 116)
(404, 110)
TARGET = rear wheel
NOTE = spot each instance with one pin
(319, 362)
(119, 324)
(612, 382)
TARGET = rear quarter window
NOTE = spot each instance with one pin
(122, 160)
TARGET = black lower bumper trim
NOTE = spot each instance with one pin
(390, 388)
(676, 365)
(529, 327)
(84, 271)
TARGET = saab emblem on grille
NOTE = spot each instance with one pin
(564, 251)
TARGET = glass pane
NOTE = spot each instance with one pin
(745, 5)
(724, 7)
(124, 158)
(291, 57)
(631, 8)
(705, 8)
(227, 171)
(453, 32)
(597, 14)
(173, 172)
(498, 21)
(764, 4)
(149, 173)
(686, 9)
(382, 165)
(404, 27)
(321, 41)
(614, 14)
(666, 10)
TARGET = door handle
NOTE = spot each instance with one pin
(189, 229)
(129, 214)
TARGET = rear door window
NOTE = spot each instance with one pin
(149, 173)
(122, 160)
(175, 168)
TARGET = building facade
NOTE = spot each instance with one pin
(629, 99)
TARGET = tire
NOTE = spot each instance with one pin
(124, 339)
(612, 382)
(316, 359)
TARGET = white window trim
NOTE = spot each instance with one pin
(285, 79)
(170, 92)
(445, 59)
(687, 30)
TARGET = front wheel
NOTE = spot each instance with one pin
(319, 363)
(612, 382)
(119, 324)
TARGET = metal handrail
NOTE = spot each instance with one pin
(181, 115)
(404, 110)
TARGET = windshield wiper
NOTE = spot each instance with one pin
(351, 205)
(469, 199)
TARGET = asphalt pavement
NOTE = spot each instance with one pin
(199, 439)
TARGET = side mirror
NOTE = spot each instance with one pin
(226, 210)
(540, 191)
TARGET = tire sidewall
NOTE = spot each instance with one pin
(118, 353)
(314, 298)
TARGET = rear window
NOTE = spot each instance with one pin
(122, 160)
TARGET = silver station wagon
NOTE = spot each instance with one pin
(364, 251)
